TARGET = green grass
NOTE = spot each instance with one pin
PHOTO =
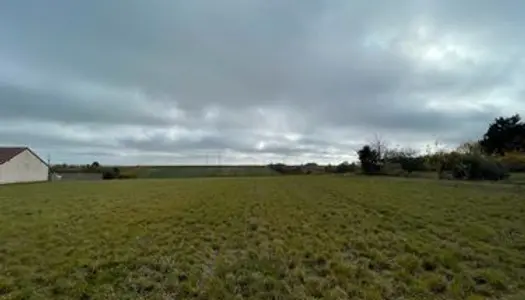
(517, 178)
(285, 237)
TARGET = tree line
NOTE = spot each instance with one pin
(107, 172)
(500, 151)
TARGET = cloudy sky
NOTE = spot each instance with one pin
(148, 82)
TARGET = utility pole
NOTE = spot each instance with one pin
(49, 167)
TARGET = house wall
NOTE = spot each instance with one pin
(25, 167)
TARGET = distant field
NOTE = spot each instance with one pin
(201, 171)
(297, 237)
(160, 172)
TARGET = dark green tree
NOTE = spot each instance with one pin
(504, 135)
(369, 159)
(345, 167)
(409, 159)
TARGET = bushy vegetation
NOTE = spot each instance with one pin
(504, 135)
(296, 237)
(475, 167)
(313, 168)
(408, 160)
(514, 161)
(308, 168)
(370, 160)
(344, 167)
(502, 150)
(115, 173)
(94, 167)
(108, 172)
(285, 169)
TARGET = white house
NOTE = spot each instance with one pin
(20, 164)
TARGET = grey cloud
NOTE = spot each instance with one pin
(59, 148)
(161, 143)
(391, 116)
(40, 105)
(240, 141)
(351, 67)
(42, 140)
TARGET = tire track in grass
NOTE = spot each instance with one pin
(445, 249)
(353, 258)
(265, 256)
(227, 263)
(413, 225)
(229, 194)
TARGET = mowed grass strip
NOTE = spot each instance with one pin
(261, 238)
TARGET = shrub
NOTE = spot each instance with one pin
(279, 167)
(113, 173)
(408, 159)
(107, 175)
(128, 176)
(513, 161)
(477, 167)
(287, 170)
(459, 171)
(370, 160)
(330, 169)
(345, 167)
(390, 168)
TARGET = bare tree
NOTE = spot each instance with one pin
(380, 145)
(471, 147)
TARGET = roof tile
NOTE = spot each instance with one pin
(7, 153)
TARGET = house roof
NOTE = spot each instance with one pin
(7, 153)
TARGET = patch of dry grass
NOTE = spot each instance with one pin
(261, 238)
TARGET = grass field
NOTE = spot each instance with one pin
(161, 172)
(182, 171)
(262, 238)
